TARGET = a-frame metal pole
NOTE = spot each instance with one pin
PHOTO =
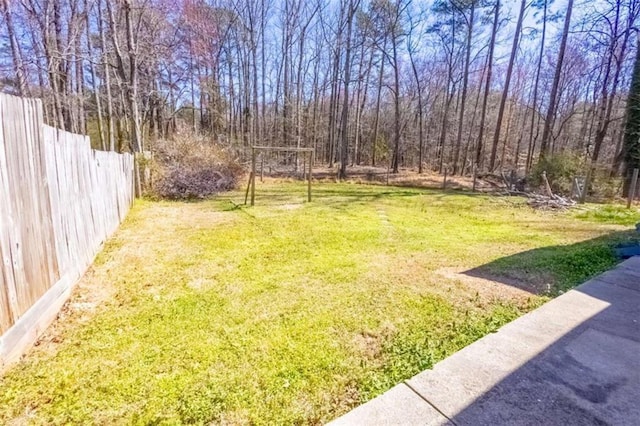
(309, 176)
(253, 176)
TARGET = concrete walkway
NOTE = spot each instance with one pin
(573, 361)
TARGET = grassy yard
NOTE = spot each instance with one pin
(291, 312)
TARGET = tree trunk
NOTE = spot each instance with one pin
(551, 110)
(631, 142)
(487, 88)
(16, 54)
(344, 147)
(137, 143)
(420, 112)
(396, 104)
(609, 94)
(361, 97)
(128, 77)
(376, 123)
(78, 64)
(535, 114)
(465, 82)
(505, 91)
(107, 80)
(94, 83)
(285, 84)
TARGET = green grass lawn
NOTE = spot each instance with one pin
(293, 312)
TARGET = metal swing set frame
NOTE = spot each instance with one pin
(251, 186)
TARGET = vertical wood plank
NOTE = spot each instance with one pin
(7, 283)
(59, 201)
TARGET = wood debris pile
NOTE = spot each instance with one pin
(545, 202)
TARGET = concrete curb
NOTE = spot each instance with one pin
(574, 360)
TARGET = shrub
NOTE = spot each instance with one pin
(560, 169)
(192, 168)
(604, 187)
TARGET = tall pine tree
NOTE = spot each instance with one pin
(632, 126)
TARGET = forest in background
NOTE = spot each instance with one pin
(463, 85)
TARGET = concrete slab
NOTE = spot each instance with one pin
(398, 406)
(456, 382)
(622, 277)
(605, 353)
(553, 320)
(573, 383)
(622, 317)
(631, 263)
(573, 361)
(485, 364)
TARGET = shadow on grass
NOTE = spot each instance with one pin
(556, 269)
(330, 196)
(340, 195)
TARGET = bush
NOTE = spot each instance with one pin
(561, 169)
(605, 188)
(192, 168)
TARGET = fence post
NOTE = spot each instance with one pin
(388, 170)
(632, 190)
(444, 181)
(137, 178)
(475, 178)
(587, 183)
(262, 167)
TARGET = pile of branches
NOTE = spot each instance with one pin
(544, 202)
(189, 168)
(547, 201)
(553, 202)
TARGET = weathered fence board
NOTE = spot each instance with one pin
(59, 201)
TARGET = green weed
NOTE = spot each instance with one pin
(615, 214)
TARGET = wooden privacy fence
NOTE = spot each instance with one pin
(59, 201)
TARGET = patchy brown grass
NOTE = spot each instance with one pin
(405, 178)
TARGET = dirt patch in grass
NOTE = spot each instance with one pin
(516, 282)
(405, 177)
(149, 224)
(370, 343)
(491, 287)
(455, 284)
(290, 206)
(92, 290)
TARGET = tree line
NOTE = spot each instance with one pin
(470, 86)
